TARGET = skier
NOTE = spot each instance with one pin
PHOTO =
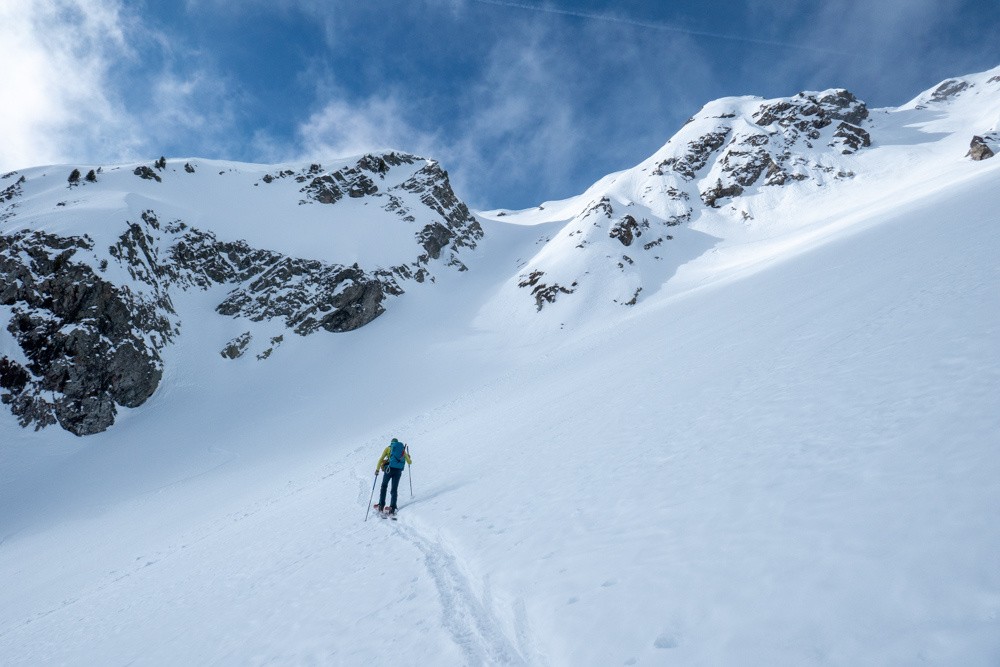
(394, 458)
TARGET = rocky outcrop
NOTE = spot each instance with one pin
(457, 229)
(807, 113)
(852, 138)
(307, 295)
(310, 295)
(628, 229)
(146, 173)
(13, 190)
(93, 345)
(949, 89)
(719, 191)
(9, 193)
(543, 293)
(90, 345)
(979, 150)
(790, 128)
(235, 348)
(697, 155)
(718, 162)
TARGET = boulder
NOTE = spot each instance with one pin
(978, 150)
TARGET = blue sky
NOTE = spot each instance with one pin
(522, 101)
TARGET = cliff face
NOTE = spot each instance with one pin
(90, 319)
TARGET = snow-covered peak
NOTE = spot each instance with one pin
(94, 258)
(980, 88)
(725, 173)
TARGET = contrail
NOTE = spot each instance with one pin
(653, 25)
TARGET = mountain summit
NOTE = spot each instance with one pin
(90, 267)
(745, 167)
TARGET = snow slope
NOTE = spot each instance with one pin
(787, 454)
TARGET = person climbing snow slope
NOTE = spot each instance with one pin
(394, 458)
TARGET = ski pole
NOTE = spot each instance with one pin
(372, 496)
(409, 475)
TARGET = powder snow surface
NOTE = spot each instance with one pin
(788, 455)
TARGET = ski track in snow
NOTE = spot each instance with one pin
(468, 616)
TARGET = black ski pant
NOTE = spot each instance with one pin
(393, 474)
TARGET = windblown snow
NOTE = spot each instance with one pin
(771, 438)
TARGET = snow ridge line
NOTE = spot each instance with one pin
(474, 627)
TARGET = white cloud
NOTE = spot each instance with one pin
(72, 65)
(342, 128)
(57, 99)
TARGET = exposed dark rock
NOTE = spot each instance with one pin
(542, 292)
(92, 345)
(432, 184)
(188, 168)
(13, 376)
(843, 105)
(324, 189)
(603, 206)
(74, 176)
(88, 342)
(979, 150)
(434, 238)
(852, 137)
(235, 348)
(949, 89)
(745, 165)
(790, 123)
(146, 173)
(275, 343)
(719, 191)
(352, 181)
(697, 155)
(310, 295)
(627, 230)
(807, 113)
(13, 190)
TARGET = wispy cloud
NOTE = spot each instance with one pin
(80, 87)
(660, 26)
(895, 45)
(559, 106)
(549, 109)
(342, 127)
(56, 92)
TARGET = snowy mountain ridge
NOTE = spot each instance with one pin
(740, 164)
(89, 267)
(88, 299)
